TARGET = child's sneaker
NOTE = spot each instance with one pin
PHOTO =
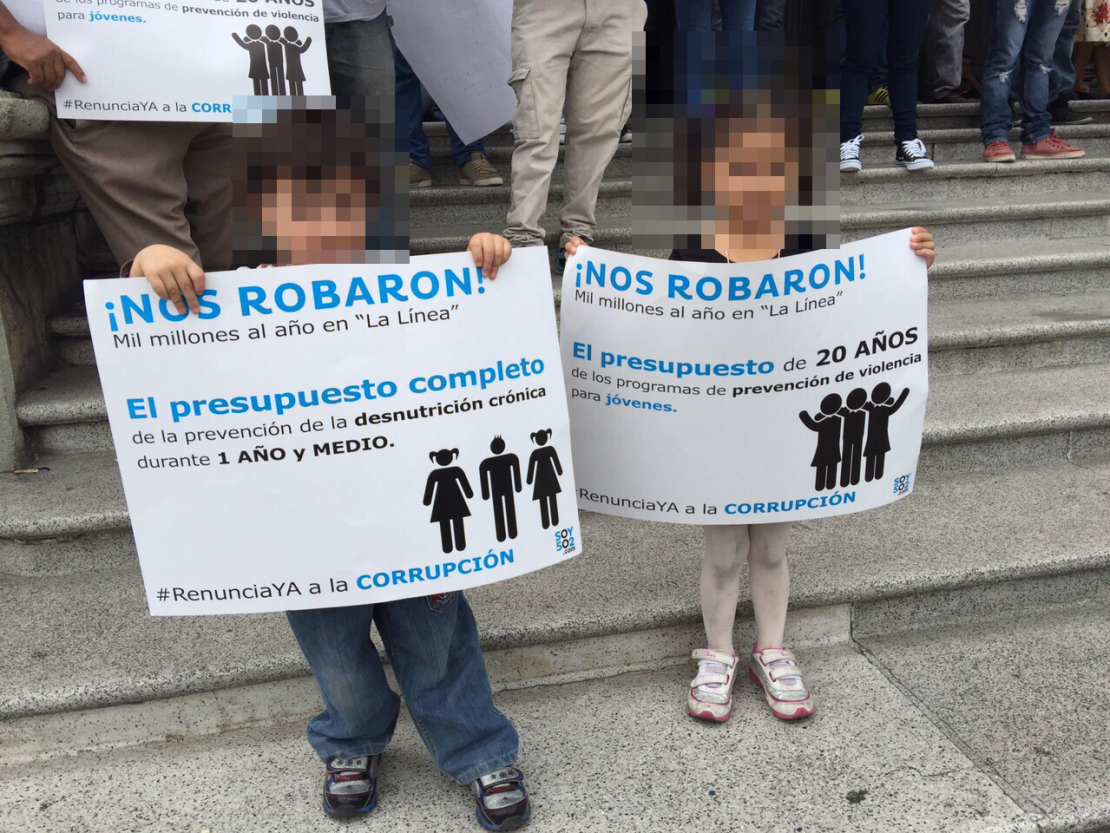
(710, 696)
(998, 151)
(502, 799)
(351, 786)
(1051, 148)
(776, 671)
(849, 154)
(912, 155)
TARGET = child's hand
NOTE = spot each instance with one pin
(573, 244)
(172, 275)
(489, 252)
(921, 241)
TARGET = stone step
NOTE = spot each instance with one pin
(1023, 217)
(1027, 523)
(966, 116)
(887, 183)
(892, 739)
(1002, 270)
(966, 144)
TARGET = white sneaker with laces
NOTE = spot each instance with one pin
(849, 154)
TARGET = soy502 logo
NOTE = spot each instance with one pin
(902, 484)
(565, 542)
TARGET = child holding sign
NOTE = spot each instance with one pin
(315, 182)
(746, 161)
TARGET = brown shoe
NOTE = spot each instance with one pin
(479, 171)
(419, 177)
(1051, 148)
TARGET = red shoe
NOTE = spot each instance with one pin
(1051, 148)
(998, 152)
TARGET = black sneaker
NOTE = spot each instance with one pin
(351, 786)
(502, 800)
(1062, 113)
(912, 155)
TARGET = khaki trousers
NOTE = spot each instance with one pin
(149, 182)
(580, 52)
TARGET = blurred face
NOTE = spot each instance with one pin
(317, 221)
(751, 174)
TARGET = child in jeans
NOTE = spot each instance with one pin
(314, 179)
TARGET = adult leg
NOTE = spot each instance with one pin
(863, 20)
(1046, 19)
(544, 35)
(136, 198)
(1102, 67)
(434, 649)
(738, 15)
(360, 709)
(694, 15)
(208, 177)
(360, 57)
(1062, 82)
(908, 19)
(769, 578)
(1006, 40)
(726, 548)
(410, 111)
(1081, 59)
(770, 15)
(945, 35)
(462, 151)
(599, 84)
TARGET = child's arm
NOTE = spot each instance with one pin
(172, 275)
(923, 245)
(489, 252)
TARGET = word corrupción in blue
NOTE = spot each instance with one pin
(790, 281)
(297, 296)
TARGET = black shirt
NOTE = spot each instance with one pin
(713, 256)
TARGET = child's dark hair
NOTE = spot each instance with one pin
(319, 141)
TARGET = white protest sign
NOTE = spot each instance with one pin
(334, 435)
(155, 60)
(749, 392)
(460, 52)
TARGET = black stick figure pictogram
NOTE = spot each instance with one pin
(444, 493)
(544, 470)
(500, 476)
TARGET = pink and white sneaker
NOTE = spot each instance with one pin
(776, 671)
(710, 695)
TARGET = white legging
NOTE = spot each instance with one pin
(726, 547)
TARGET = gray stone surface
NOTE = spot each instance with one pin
(68, 495)
(71, 394)
(618, 754)
(21, 119)
(966, 144)
(955, 531)
(1028, 699)
(885, 182)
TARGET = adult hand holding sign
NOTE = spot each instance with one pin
(46, 63)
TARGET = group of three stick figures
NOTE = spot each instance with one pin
(448, 489)
(856, 415)
(275, 59)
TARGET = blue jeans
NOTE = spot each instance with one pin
(410, 110)
(697, 15)
(1061, 84)
(1030, 40)
(359, 57)
(432, 644)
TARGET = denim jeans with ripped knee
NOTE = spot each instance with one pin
(1022, 30)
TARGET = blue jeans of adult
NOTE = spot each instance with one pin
(864, 21)
(360, 57)
(1029, 39)
(1061, 83)
(410, 111)
(432, 644)
(697, 15)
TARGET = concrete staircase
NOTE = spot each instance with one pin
(1009, 527)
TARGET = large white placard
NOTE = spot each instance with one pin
(167, 60)
(460, 52)
(334, 435)
(746, 393)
